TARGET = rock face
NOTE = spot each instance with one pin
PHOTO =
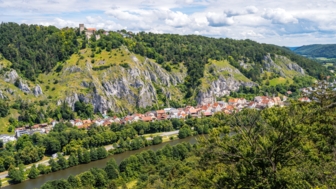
(221, 87)
(283, 64)
(119, 88)
(295, 67)
(23, 86)
(2, 96)
(37, 91)
(11, 76)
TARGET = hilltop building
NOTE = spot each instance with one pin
(88, 31)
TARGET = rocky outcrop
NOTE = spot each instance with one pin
(2, 96)
(23, 86)
(37, 91)
(283, 64)
(269, 64)
(131, 87)
(11, 76)
(221, 87)
(295, 67)
(73, 69)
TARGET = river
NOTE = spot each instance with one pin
(64, 174)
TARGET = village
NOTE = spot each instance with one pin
(205, 110)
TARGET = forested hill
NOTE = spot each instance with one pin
(35, 49)
(44, 67)
(326, 51)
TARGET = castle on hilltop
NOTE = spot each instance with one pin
(89, 31)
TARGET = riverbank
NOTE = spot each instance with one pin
(166, 137)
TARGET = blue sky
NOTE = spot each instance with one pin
(282, 22)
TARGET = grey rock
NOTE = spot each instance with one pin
(37, 91)
(221, 87)
(73, 69)
(10, 91)
(85, 84)
(295, 67)
(11, 76)
(2, 96)
(24, 86)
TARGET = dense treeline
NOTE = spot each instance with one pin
(327, 50)
(195, 51)
(33, 49)
(290, 147)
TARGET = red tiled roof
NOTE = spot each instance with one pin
(160, 112)
(146, 118)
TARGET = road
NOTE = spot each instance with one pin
(169, 133)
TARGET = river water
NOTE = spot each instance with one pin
(64, 174)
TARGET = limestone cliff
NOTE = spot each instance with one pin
(220, 79)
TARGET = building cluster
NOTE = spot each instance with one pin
(204, 110)
(38, 128)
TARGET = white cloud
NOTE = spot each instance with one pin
(251, 33)
(177, 19)
(279, 16)
(122, 14)
(219, 19)
(92, 20)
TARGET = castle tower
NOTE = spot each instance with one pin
(81, 28)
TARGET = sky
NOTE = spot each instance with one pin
(282, 22)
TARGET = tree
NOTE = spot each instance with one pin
(1, 144)
(157, 140)
(33, 173)
(73, 160)
(86, 156)
(74, 181)
(184, 132)
(54, 165)
(93, 154)
(16, 175)
(101, 153)
(111, 169)
(62, 162)
(87, 179)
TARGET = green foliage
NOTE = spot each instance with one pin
(16, 175)
(125, 65)
(84, 110)
(33, 173)
(184, 132)
(40, 47)
(4, 109)
(327, 50)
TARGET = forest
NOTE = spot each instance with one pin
(35, 49)
(290, 147)
(314, 51)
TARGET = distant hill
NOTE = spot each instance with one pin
(327, 51)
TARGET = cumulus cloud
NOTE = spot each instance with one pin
(122, 14)
(219, 19)
(240, 11)
(251, 33)
(177, 19)
(279, 16)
